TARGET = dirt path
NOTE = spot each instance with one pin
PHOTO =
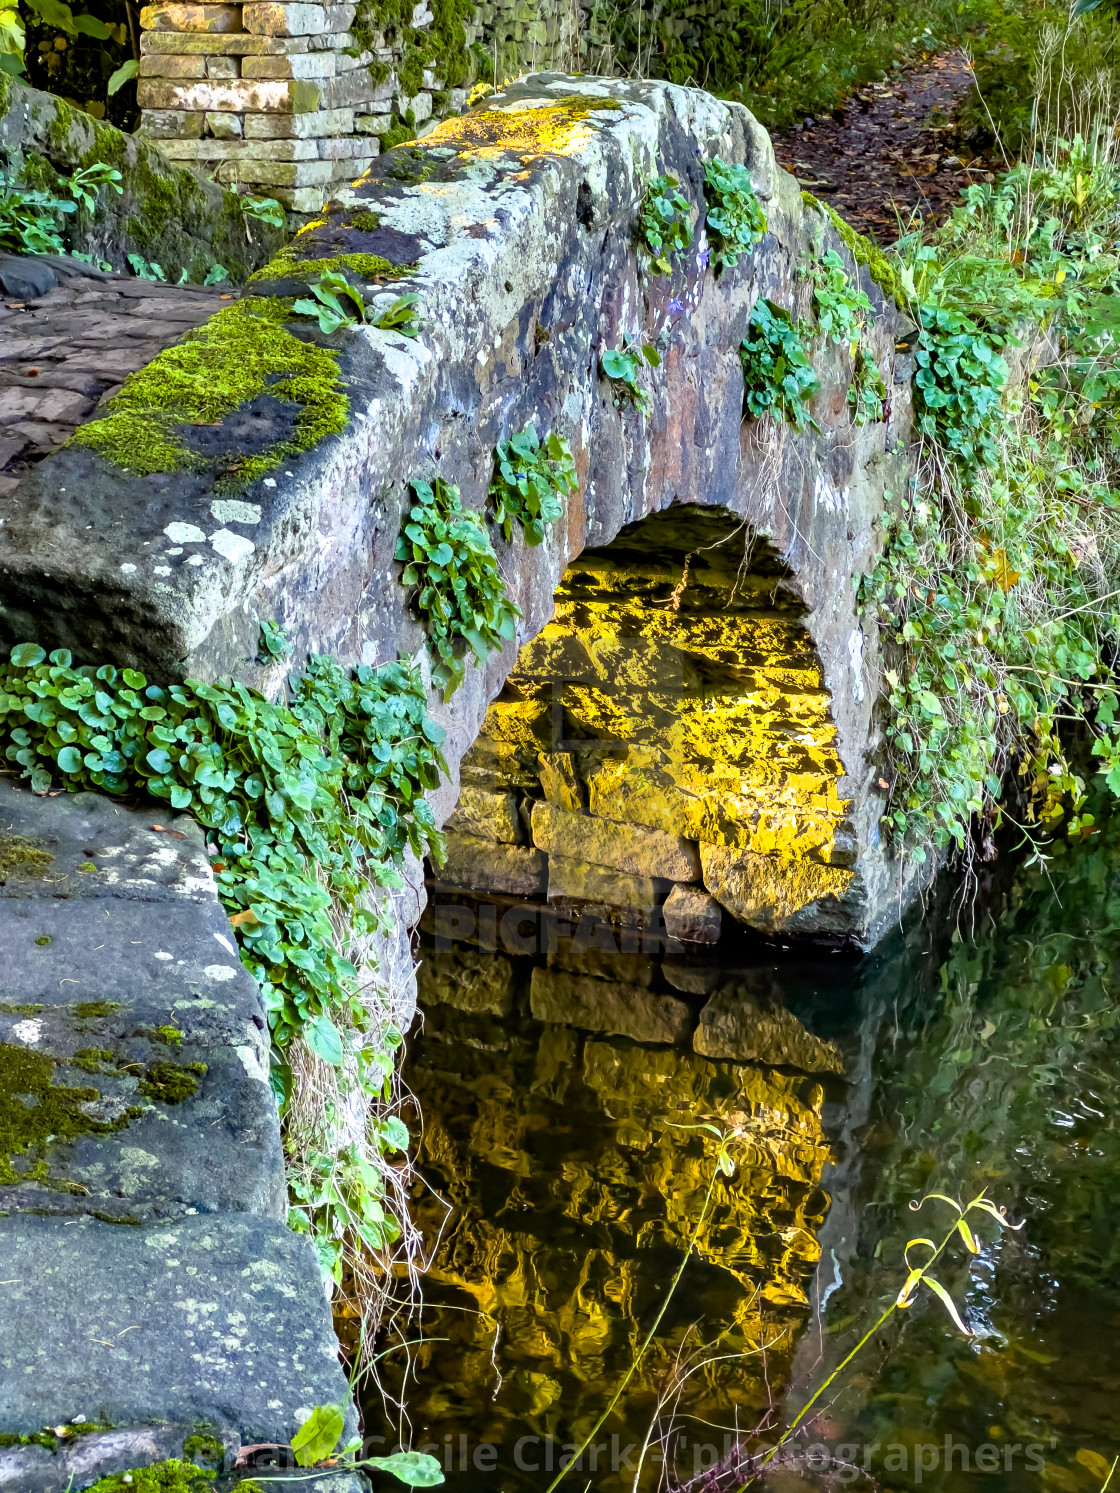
(889, 145)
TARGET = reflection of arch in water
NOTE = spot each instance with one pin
(576, 1186)
(677, 695)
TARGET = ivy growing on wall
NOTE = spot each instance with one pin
(459, 596)
(734, 217)
(530, 478)
(778, 378)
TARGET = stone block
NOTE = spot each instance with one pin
(214, 151)
(600, 1006)
(332, 41)
(627, 847)
(487, 816)
(692, 915)
(223, 67)
(223, 126)
(300, 199)
(373, 124)
(351, 90)
(292, 174)
(777, 895)
(419, 103)
(173, 65)
(693, 979)
(299, 126)
(292, 65)
(234, 96)
(736, 1024)
(580, 957)
(236, 45)
(191, 18)
(294, 18)
(631, 898)
(489, 867)
(470, 980)
(225, 1319)
(347, 148)
(351, 170)
(560, 781)
(170, 124)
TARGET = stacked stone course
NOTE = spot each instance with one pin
(276, 96)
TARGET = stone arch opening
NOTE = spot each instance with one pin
(664, 748)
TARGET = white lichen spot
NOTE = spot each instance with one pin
(233, 511)
(27, 1032)
(225, 943)
(219, 972)
(232, 547)
(163, 954)
(828, 497)
(128, 569)
(270, 482)
(176, 549)
(194, 559)
(855, 656)
(184, 534)
(161, 569)
(251, 1062)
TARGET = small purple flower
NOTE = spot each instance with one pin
(703, 257)
(676, 307)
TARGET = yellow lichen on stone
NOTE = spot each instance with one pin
(562, 128)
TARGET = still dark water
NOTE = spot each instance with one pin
(566, 1180)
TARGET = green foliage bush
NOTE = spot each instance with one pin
(998, 582)
(734, 219)
(449, 560)
(622, 366)
(307, 803)
(778, 378)
(530, 478)
(665, 222)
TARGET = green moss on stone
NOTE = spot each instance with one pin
(91, 1010)
(22, 858)
(35, 1438)
(170, 1083)
(241, 353)
(288, 266)
(204, 1448)
(36, 1112)
(172, 1476)
(9, 1010)
(863, 251)
(91, 1059)
(169, 1034)
(364, 222)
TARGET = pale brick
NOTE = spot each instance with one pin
(223, 67)
(191, 18)
(173, 66)
(299, 126)
(224, 126)
(353, 170)
(373, 124)
(298, 65)
(289, 18)
(237, 45)
(279, 173)
(353, 89)
(259, 96)
(170, 124)
(234, 150)
(346, 64)
(345, 148)
(300, 199)
(332, 41)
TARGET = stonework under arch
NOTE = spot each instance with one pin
(670, 727)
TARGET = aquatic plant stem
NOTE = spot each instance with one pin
(901, 1301)
(632, 1370)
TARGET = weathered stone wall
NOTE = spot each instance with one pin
(152, 1292)
(521, 221)
(165, 214)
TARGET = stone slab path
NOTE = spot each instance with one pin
(890, 148)
(149, 1284)
(66, 352)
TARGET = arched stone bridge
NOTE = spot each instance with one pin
(690, 698)
(520, 220)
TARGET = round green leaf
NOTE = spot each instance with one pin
(27, 655)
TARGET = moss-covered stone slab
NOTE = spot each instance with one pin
(605, 842)
(491, 867)
(218, 1320)
(735, 1023)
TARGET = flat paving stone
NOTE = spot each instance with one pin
(218, 1320)
(102, 325)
